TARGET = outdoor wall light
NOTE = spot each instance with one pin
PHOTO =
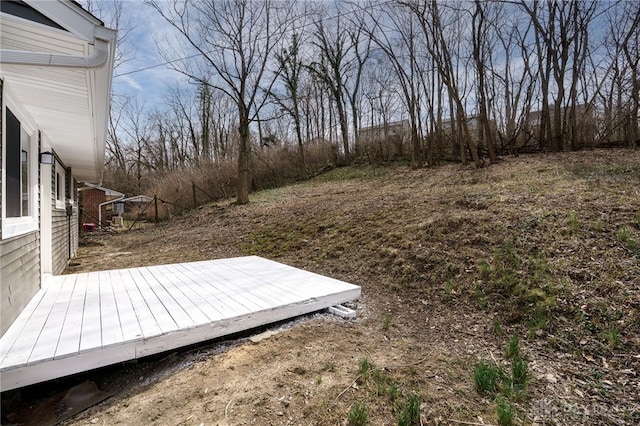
(46, 158)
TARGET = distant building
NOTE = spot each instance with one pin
(585, 127)
(136, 208)
(386, 141)
(449, 147)
(474, 124)
(97, 204)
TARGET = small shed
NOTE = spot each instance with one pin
(136, 208)
(97, 204)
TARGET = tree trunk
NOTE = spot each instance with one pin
(344, 129)
(479, 57)
(467, 135)
(244, 160)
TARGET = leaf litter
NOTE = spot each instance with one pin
(452, 262)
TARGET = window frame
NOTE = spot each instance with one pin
(15, 226)
(59, 188)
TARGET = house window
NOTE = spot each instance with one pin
(60, 186)
(58, 195)
(19, 176)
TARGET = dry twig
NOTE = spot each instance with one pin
(226, 409)
(469, 423)
(413, 364)
(346, 389)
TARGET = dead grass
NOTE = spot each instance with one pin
(460, 259)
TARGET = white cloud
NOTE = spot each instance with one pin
(131, 82)
(145, 74)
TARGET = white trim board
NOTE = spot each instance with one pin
(84, 321)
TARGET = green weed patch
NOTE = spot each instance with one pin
(523, 282)
(505, 387)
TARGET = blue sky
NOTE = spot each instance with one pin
(134, 77)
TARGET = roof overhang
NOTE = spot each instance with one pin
(108, 192)
(62, 78)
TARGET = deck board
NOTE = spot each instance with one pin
(162, 317)
(13, 333)
(282, 289)
(210, 299)
(69, 341)
(199, 308)
(22, 347)
(128, 321)
(223, 290)
(91, 327)
(110, 327)
(45, 347)
(173, 283)
(84, 321)
(146, 322)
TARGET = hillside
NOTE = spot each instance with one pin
(529, 268)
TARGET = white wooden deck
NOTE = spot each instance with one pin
(83, 321)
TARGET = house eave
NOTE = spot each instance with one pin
(63, 81)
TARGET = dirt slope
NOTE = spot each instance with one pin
(453, 262)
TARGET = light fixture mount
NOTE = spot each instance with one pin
(46, 157)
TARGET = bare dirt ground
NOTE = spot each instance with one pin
(452, 261)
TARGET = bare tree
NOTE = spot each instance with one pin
(183, 128)
(561, 30)
(111, 12)
(116, 163)
(361, 50)
(394, 33)
(419, 60)
(631, 49)
(205, 100)
(543, 34)
(332, 68)
(513, 84)
(481, 27)
(115, 146)
(138, 131)
(291, 69)
(431, 20)
(234, 41)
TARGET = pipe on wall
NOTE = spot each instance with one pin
(97, 59)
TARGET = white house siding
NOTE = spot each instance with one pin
(63, 229)
(68, 105)
(75, 220)
(19, 275)
(59, 239)
(19, 261)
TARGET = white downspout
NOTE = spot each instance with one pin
(97, 59)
